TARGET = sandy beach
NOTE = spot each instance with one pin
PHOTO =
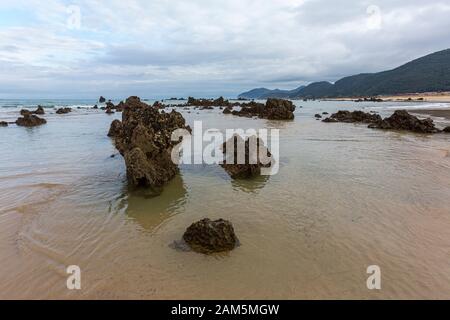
(442, 113)
(434, 97)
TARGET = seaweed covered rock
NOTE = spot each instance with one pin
(353, 117)
(30, 120)
(144, 140)
(274, 109)
(402, 120)
(207, 236)
(63, 110)
(244, 161)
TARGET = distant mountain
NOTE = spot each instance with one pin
(430, 73)
(264, 93)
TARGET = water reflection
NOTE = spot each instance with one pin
(252, 185)
(151, 212)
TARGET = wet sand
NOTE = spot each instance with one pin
(441, 113)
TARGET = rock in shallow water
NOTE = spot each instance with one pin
(3, 124)
(208, 236)
(353, 117)
(63, 110)
(447, 129)
(30, 120)
(402, 120)
(274, 109)
(248, 164)
(143, 138)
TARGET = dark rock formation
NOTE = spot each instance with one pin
(145, 142)
(446, 129)
(251, 164)
(274, 109)
(324, 113)
(109, 111)
(402, 120)
(39, 110)
(219, 102)
(228, 110)
(353, 116)
(3, 124)
(115, 129)
(371, 99)
(318, 116)
(101, 99)
(63, 110)
(95, 107)
(208, 236)
(110, 105)
(30, 120)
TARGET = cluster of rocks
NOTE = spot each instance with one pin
(30, 120)
(371, 99)
(402, 120)
(207, 236)
(352, 117)
(143, 138)
(399, 120)
(251, 164)
(39, 111)
(274, 109)
(208, 103)
(63, 110)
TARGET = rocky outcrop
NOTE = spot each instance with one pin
(63, 110)
(30, 120)
(446, 129)
(109, 111)
(353, 117)
(274, 109)
(39, 110)
(402, 120)
(115, 128)
(208, 103)
(144, 140)
(228, 110)
(251, 163)
(317, 116)
(3, 124)
(101, 99)
(207, 236)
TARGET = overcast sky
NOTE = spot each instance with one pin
(161, 48)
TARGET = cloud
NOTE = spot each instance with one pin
(157, 48)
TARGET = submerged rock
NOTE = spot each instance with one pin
(63, 110)
(143, 138)
(251, 163)
(402, 120)
(353, 117)
(207, 236)
(30, 120)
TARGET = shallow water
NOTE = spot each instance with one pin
(345, 197)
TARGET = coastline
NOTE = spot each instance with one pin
(441, 113)
(435, 97)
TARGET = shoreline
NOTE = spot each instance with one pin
(441, 113)
(434, 97)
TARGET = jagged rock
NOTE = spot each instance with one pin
(145, 143)
(352, 117)
(274, 109)
(446, 129)
(208, 103)
(402, 120)
(63, 110)
(39, 110)
(30, 120)
(207, 236)
(228, 110)
(115, 129)
(3, 124)
(101, 99)
(252, 163)
(95, 107)
(110, 105)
